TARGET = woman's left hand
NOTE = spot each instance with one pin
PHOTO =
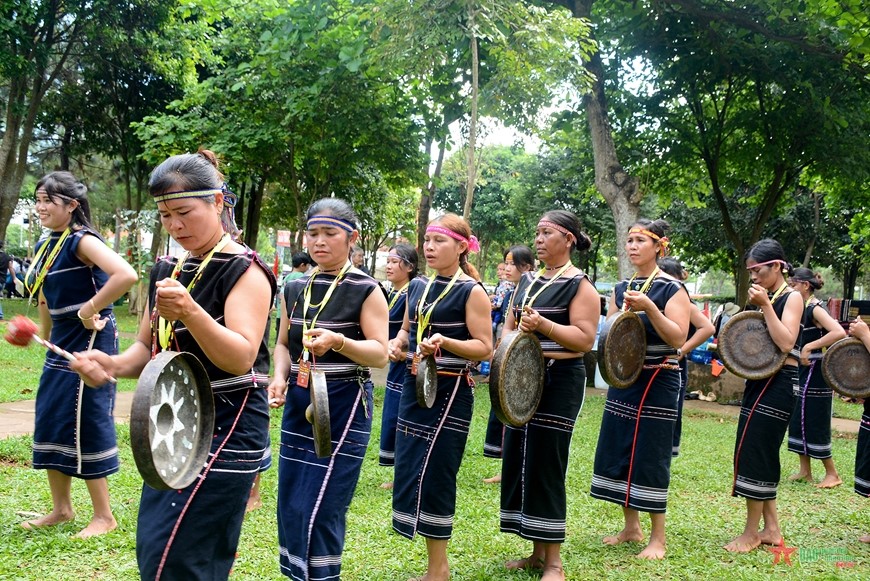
(94, 322)
(319, 341)
(805, 355)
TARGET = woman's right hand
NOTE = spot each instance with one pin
(277, 392)
(757, 295)
(94, 367)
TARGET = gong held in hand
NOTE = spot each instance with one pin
(622, 349)
(747, 349)
(846, 368)
(317, 414)
(516, 380)
(172, 420)
(427, 381)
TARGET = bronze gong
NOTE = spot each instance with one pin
(516, 379)
(746, 347)
(427, 381)
(622, 349)
(846, 368)
(319, 417)
(172, 420)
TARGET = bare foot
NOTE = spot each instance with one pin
(493, 479)
(531, 562)
(770, 536)
(798, 476)
(49, 520)
(744, 543)
(553, 573)
(654, 550)
(387, 485)
(830, 481)
(97, 526)
(624, 536)
(864, 538)
(253, 503)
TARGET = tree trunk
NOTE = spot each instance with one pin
(620, 190)
(850, 277)
(427, 194)
(817, 199)
(472, 126)
(252, 219)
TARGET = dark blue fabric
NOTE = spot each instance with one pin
(57, 440)
(315, 493)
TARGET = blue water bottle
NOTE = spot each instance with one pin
(484, 367)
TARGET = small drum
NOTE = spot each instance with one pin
(746, 347)
(427, 381)
(172, 420)
(516, 379)
(319, 417)
(846, 368)
(622, 349)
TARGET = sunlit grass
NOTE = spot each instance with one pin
(701, 518)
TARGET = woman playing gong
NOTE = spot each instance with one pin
(401, 269)
(76, 278)
(700, 329)
(518, 260)
(809, 432)
(448, 317)
(633, 458)
(333, 329)
(767, 403)
(561, 306)
(860, 330)
(213, 302)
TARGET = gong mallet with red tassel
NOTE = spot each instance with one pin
(21, 331)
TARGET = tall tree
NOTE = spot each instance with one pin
(619, 188)
(747, 112)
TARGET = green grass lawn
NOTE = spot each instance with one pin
(701, 518)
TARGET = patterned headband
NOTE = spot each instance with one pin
(186, 194)
(663, 240)
(554, 226)
(473, 244)
(323, 220)
(396, 256)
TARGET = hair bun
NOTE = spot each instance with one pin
(209, 155)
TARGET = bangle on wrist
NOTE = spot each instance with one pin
(552, 326)
(340, 347)
(94, 307)
(79, 315)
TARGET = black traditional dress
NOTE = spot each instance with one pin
(764, 417)
(492, 442)
(397, 301)
(809, 432)
(430, 442)
(194, 533)
(535, 456)
(315, 493)
(74, 431)
(862, 454)
(635, 445)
